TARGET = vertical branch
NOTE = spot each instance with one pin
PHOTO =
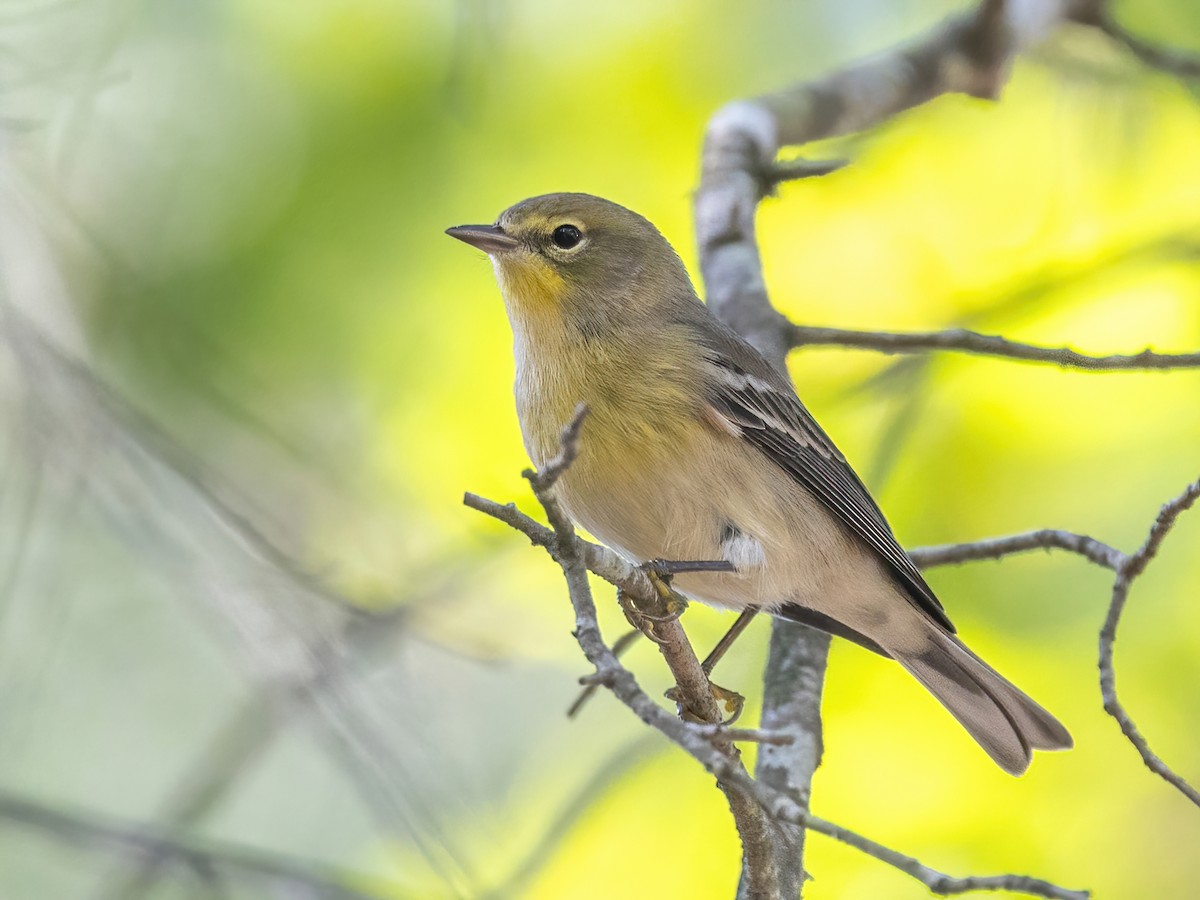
(792, 685)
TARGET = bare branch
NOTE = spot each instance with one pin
(784, 810)
(999, 547)
(961, 339)
(545, 478)
(590, 685)
(939, 882)
(599, 560)
(797, 169)
(748, 735)
(206, 856)
(1133, 567)
(617, 572)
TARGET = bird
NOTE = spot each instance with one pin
(696, 448)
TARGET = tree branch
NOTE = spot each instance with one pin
(1131, 568)
(204, 856)
(287, 623)
(708, 744)
(961, 339)
(999, 547)
(939, 882)
(605, 563)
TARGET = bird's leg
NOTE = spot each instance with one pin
(732, 701)
(668, 568)
(723, 645)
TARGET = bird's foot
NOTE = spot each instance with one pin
(648, 617)
(670, 603)
(730, 703)
(666, 604)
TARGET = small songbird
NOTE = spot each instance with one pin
(696, 448)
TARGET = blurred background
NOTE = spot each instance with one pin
(246, 379)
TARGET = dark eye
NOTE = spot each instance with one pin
(566, 236)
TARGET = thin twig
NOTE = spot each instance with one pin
(999, 547)
(89, 828)
(1133, 567)
(797, 169)
(545, 478)
(967, 341)
(748, 735)
(590, 685)
(939, 882)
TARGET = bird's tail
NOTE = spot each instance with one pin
(1005, 722)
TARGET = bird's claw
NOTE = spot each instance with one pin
(666, 605)
(730, 702)
(671, 603)
(646, 617)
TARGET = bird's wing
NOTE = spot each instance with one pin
(759, 405)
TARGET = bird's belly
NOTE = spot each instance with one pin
(715, 501)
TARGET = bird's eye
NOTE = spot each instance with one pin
(566, 236)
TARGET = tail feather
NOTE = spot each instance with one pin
(1005, 722)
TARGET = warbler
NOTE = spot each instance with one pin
(696, 448)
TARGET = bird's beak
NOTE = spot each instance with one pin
(488, 238)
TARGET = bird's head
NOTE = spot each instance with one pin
(579, 257)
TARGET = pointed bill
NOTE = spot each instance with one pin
(490, 239)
